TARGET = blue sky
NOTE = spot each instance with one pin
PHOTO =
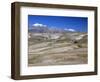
(79, 24)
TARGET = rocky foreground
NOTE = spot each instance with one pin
(64, 49)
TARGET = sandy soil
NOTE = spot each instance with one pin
(56, 53)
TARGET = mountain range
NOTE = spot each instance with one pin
(46, 29)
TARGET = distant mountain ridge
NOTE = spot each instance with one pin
(45, 29)
(40, 32)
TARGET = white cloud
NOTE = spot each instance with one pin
(72, 30)
(38, 24)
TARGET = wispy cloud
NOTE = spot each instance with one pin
(43, 25)
(39, 24)
(69, 29)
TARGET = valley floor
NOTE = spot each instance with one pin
(56, 53)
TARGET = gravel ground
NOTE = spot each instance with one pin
(48, 53)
